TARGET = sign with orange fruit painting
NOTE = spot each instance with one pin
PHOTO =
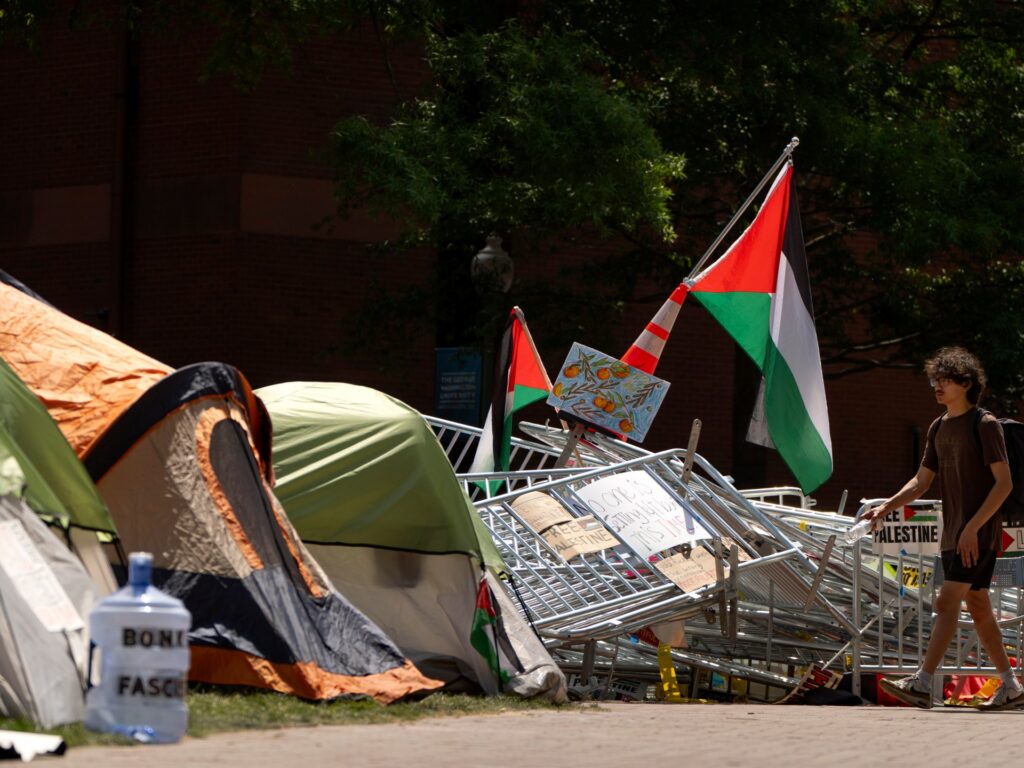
(603, 391)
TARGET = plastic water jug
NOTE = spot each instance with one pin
(141, 635)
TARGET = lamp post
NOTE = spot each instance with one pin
(492, 271)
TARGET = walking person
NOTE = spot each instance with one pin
(966, 450)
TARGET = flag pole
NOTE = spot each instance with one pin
(787, 153)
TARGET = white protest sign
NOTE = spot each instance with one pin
(909, 531)
(641, 512)
(34, 580)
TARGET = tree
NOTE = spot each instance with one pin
(911, 172)
(519, 134)
(910, 169)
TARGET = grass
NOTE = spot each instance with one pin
(216, 711)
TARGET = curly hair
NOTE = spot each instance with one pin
(959, 365)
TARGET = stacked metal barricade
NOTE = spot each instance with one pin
(789, 594)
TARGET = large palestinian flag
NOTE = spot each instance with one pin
(519, 379)
(760, 293)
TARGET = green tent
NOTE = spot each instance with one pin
(336, 441)
(373, 496)
(38, 464)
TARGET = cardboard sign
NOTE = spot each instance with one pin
(690, 573)
(34, 580)
(910, 531)
(580, 536)
(641, 512)
(741, 553)
(603, 391)
(540, 511)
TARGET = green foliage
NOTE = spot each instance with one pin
(931, 304)
(910, 170)
(548, 121)
(20, 20)
(518, 134)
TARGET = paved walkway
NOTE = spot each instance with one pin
(611, 734)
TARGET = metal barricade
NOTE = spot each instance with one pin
(769, 610)
(794, 596)
(893, 598)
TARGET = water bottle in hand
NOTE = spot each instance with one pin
(857, 531)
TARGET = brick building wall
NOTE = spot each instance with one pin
(215, 255)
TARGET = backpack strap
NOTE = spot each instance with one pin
(979, 414)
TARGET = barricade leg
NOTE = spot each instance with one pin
(668, 690)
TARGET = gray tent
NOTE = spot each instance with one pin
(45, 599)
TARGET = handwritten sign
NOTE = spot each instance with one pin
(540, 511)
(641, 512)
(606, 392)
(580, 536)
(34, 580)
(910, 531)
(690, 573)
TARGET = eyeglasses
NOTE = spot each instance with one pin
(943, 381)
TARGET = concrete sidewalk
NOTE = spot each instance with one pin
(611, 734)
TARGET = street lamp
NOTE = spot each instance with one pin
(492, 272)
(492, 268)
(464, 376)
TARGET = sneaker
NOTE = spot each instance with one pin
(1004, 698)
(909, 690)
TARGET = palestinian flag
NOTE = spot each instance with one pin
(911, 515)
(760, 294)
(519, 379)
(485, 632)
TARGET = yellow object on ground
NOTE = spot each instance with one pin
(669, 688)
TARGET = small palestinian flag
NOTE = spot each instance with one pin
(519, 379)
(484, 636)
(911, 515)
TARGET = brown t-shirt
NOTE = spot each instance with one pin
(965, 477)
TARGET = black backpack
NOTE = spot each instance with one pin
(1013, 434)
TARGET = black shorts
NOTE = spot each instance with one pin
(979, 575)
